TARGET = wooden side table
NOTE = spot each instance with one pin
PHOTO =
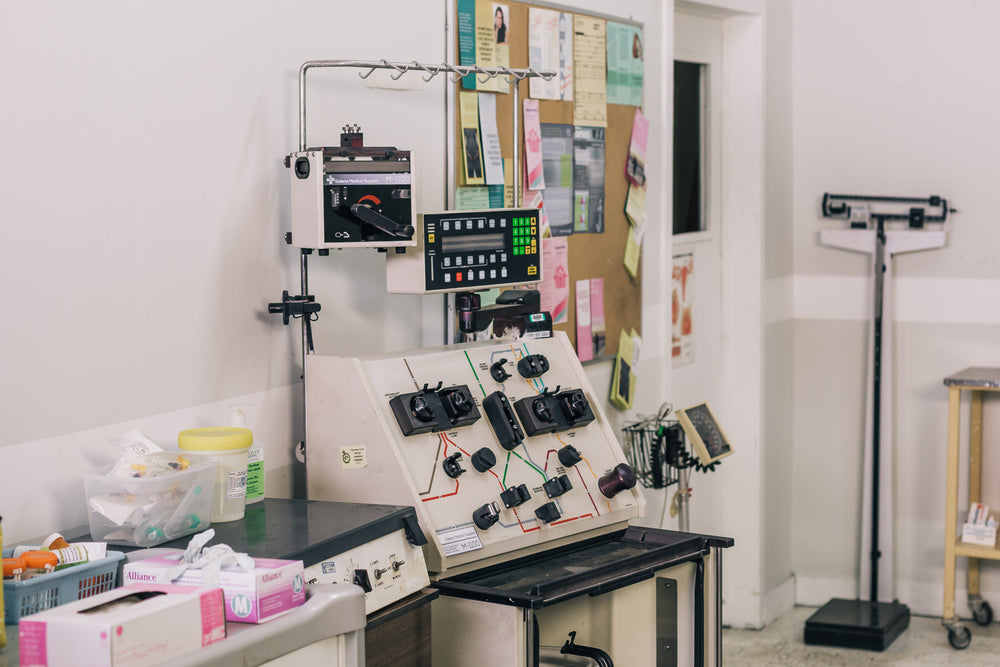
(974, 380)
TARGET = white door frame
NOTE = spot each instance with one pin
(742, 247)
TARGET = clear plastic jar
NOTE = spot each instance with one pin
(228, 446)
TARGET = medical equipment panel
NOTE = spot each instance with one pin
(501, 447)
(469, 250)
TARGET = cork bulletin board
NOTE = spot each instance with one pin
(591, 255)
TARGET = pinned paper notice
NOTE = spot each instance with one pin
(590, 71)
(550, 48)
(472, 198)
(492, 159)
(533, 146)
(554, 288)
(632, 250)
(472, 164)
(584, 346)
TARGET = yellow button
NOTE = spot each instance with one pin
(534, 230)
(430, 238)
(532, 270)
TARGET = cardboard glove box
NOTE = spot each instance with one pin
(141, 624)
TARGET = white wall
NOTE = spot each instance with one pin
(144, 203)
(143, 210)
(890, 97)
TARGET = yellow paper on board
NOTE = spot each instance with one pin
(632, 252)
(623, 377)
(635, 204)
(472, 153)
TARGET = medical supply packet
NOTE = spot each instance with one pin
(273, 588)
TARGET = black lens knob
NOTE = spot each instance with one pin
(577, 404)
(421, 408)
(541, 409)
(459, 403)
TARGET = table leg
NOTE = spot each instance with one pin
(975, 473)
(951, 504)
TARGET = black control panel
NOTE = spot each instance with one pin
(479, 249)
(433, 410)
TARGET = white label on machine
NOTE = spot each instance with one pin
(459, 541)
(353, 457)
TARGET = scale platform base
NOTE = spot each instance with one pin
(857, 624)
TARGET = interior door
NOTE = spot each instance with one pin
(697, 240)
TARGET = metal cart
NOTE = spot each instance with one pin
(975, 381)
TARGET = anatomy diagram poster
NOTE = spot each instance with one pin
(682, 347)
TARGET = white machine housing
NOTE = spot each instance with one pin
(395, 569)
(357, 451)
(309, 208)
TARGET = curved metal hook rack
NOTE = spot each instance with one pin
(456, 72)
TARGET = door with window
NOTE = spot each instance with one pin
(697, 224)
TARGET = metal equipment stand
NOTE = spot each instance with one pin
(304, 305)
(657, 449)
(868, 623)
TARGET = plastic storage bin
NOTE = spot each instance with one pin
(146, 511)
(45, 591)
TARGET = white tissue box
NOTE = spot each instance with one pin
(980, 534)
(135, 626)
(274, 587)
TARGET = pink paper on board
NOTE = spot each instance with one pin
(533, 146)
(635, 165)
(554, 288)
(640, 135)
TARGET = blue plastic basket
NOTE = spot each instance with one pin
(22, 598)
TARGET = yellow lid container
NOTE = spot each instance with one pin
(228, 447)
(215, 438)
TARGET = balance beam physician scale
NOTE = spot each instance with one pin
(867, 622)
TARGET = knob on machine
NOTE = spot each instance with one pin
(434, 409)
(498, 372)
(483, 459)
(486, 516)
(621, 478)
(451, 465)
(569, 456)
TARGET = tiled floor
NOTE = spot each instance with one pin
(925, 642)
